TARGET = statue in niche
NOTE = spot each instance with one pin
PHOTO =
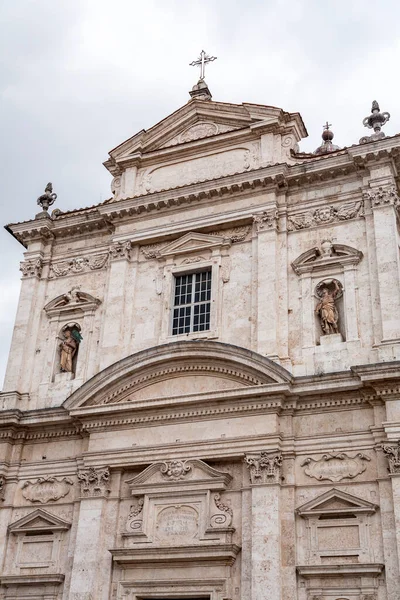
(69, 347)
(327, 292)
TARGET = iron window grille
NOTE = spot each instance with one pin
(192, 303)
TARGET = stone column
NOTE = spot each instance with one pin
(266, 225)
(266, 580)
(392, 452)
(383, 202)
(17, 378)
(114, 304)
(307, 311)
(350, 298)
(89, 554)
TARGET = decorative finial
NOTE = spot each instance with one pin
(200, 91)
(327, 137)
(48, 198)
(201, 62)
(375, 121)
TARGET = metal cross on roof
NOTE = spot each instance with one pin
(201, 62)
(327, 125)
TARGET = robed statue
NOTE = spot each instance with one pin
(68, 349)
(326, 307)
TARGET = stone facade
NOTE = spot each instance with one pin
(255, 458)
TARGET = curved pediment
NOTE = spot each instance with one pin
(74, 300)
(176, 370)
(328, 255)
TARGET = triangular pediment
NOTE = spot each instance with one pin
(335, 502)
(201, 120)
(197, 131)
(193, 242)
(192, 473)
(37, 521)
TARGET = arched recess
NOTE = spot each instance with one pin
(177, 369)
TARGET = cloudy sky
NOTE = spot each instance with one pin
(77, 77)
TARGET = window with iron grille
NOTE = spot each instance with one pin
(192, 301)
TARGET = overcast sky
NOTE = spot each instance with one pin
(77, 77)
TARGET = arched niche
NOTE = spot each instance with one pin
(328, 261)
(75, 308)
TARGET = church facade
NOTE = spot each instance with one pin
(202, 397)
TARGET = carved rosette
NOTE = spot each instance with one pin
(335, 466)
(264, 467)
(383, 196)
(46, 489)
(31, 268)
(222, 518)
(393, 456)
(120, 250)
(80, 264)
(94, 482)
(326, 215)
(175, 470)
(266, 220)
(135, 521)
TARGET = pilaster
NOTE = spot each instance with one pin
(87, 569)
(265, 537)
(18, 367)
(266, 228)
(384, 202)
(115, 303)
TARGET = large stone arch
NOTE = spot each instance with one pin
(177, 369)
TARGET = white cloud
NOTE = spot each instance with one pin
(79, 77)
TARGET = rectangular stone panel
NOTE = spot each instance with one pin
(337, 538)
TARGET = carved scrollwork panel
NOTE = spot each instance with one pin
(134, 521)
(46, 489)
(326, 215)
(223, 518)
(335, 466)
(79, 264)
